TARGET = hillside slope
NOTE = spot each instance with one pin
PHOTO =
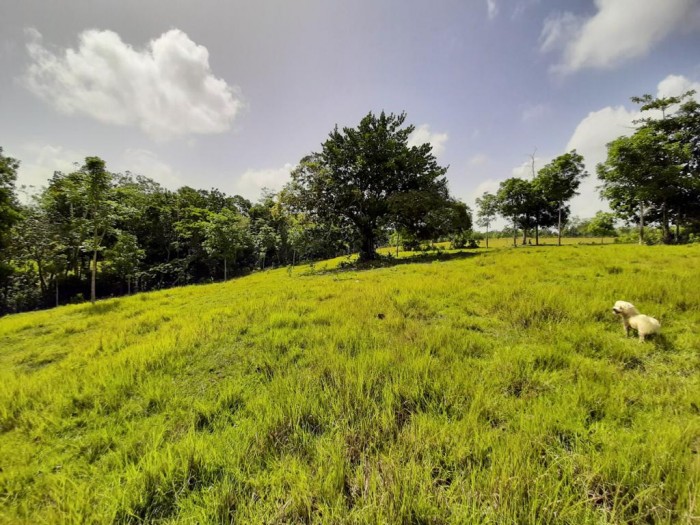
(493, 388)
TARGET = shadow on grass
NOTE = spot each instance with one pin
(384, 261)
(661, 342)
(100, 308)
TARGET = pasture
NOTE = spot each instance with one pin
(485, 387)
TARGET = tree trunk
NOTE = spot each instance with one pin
(537, 234)
(42, 280)
(515, 233)
(225, 270)
(487, 236)
(664, 224)
(128, 285)
(641, 223)
(93, 277)
(524, 236)
(367, 251)
(56, 289)
(559, 227)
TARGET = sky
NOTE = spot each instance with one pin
(232, 94)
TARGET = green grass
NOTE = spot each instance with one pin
(493, 388)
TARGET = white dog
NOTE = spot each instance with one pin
(631, 318)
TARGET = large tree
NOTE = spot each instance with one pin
(641, 177)
(558, 181)
(362, 174)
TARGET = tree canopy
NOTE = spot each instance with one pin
(653, 175)
(368, 178)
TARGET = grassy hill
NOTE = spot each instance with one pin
(488, 388)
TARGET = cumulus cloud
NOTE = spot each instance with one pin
(675, 85)
(620, 30)
(422, 134)
(166, 89)
(252, 182)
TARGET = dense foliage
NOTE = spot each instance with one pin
(368, 179)
(653, 176)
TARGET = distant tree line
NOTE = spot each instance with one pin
(651, 178)
(91, 233)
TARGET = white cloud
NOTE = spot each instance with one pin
(620, 30)
(251, 183)
(492, 8)
(167, 89)
(422, 134)
(589, 139)
(147, 163)
(675, 85)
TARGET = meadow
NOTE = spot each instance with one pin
(490, 386)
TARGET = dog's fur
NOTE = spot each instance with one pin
(632, 319)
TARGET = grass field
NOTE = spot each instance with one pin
(487, 387)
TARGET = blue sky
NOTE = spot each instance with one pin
(232, 94)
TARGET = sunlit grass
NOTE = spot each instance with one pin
(492, 388)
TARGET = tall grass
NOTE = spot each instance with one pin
(495, 388)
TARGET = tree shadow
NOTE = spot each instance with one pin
(385, 261)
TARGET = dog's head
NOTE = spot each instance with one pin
(624, 309)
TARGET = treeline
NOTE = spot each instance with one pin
(92, 233)
(651, 178)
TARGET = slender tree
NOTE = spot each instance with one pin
(487, 210)
(100, 210)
